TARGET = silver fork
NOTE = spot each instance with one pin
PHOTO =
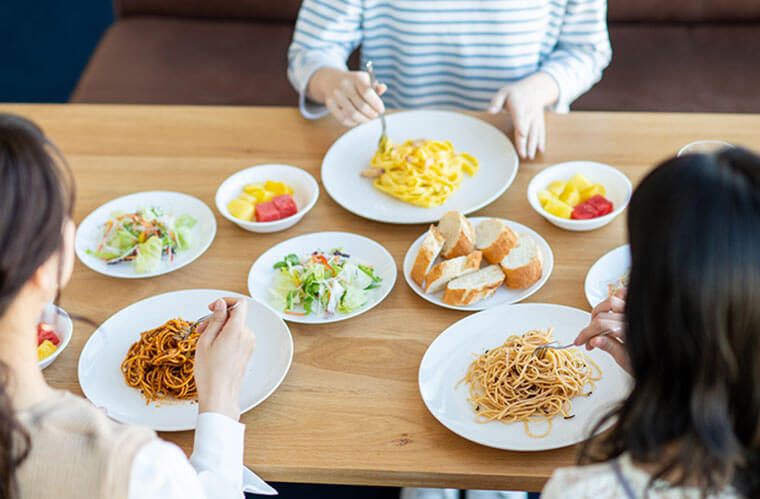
(554, 345)
(373, 84)
(195, 324)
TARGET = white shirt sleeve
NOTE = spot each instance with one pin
(215, 470)
(326, 33)
(582, 51)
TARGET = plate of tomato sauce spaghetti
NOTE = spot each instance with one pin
(138, 365)
(481, 379)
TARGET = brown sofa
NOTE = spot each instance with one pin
(674, 55)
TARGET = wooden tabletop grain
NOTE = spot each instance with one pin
(349, 410)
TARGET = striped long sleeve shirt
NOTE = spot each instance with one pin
(452, 53)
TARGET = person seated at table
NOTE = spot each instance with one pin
(58, 445)
(690, 338)
(521, 56)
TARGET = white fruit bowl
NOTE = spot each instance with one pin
(63, 328)
(305, 194)
(616, 184)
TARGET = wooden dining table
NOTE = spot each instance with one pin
(349, 410)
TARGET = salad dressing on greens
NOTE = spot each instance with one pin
(321, 283)
(143, 238)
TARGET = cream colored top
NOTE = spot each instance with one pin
(600, 481)
(77, 451)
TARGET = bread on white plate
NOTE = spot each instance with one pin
(494, 239)
(459, 234)
(447, 270)
(473, 287)
(522, 266)
(429, 251)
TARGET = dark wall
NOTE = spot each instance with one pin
(45, 44)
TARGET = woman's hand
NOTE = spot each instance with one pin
(609, 314)
(525, 102)
(223, 350)
(347, 95)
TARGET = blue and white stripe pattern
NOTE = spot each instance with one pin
(453, 53)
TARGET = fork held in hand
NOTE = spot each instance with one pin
(554, 345)
(187, 331)
(373, 84)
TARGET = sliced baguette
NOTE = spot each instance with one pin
(522, 266)
(431, 247)
(474, 287)
(447, 270)
(459, 234)
(494, 239)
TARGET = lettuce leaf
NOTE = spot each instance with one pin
(149, 255)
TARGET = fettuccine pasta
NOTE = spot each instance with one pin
(421, 172)
(510, 384)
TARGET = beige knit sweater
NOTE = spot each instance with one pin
(77, 451)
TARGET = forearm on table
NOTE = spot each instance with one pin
(161, 469)
(218, 447)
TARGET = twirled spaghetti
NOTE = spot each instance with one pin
(421, 172)
(510, 384)
(160, 363)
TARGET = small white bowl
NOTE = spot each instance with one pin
(616, 184)
(305, 194)
(704, 147)
(63, 327)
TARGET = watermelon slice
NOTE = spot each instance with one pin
(595, 206)
(267, 212)
(285, 205)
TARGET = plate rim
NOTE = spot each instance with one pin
(470, 318)
(586, 284)
(424, 220)
(475, 308)
(116, 417)
(201, 251)
(298, 319)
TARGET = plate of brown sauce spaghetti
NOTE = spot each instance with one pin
(139, 368)
(481, 379)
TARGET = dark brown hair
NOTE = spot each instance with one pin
(36, 198)
(693, 326)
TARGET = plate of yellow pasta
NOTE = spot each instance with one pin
(430, 163)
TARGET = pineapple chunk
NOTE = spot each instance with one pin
(593, 191)
(45, 350)
(247, 198)
(252, 189)
(241, 209)
(570, 196)
(579, 182)
(278, 188)
(259, 194)
(557, 187)
(545, 195)
(558, 208)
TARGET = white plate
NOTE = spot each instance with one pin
(351, 154)
(174, 203)
(605, 271)
(361, 250)
(100, 363)
(448, 357)
(503, 295)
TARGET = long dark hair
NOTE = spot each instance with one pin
(693, 325)
(36, 199)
